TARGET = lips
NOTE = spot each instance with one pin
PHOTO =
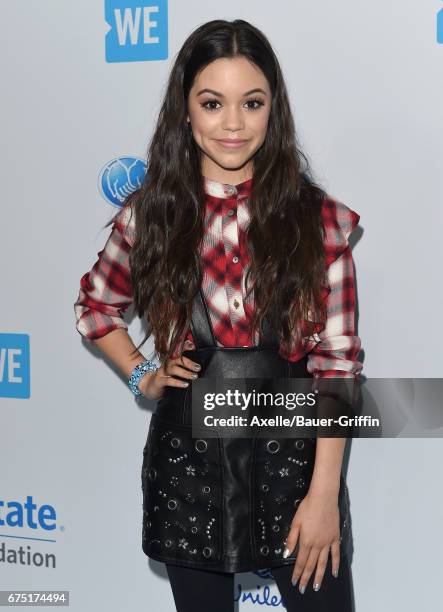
(231, 142)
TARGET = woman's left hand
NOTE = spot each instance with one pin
(316, 525)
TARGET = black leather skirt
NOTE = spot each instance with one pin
(225, 503)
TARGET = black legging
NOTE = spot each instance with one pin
(198, 590)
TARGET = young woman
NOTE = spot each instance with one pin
(241, 264)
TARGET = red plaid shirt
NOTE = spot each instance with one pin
(106, 291)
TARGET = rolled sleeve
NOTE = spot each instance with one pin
(106, 290)
(336, 352)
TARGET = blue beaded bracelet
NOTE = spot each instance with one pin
(138, 372)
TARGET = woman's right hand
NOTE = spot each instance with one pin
(152, 384)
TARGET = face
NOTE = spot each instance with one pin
(228, 108)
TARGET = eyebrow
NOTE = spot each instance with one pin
(220, 95)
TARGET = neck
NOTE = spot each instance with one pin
(216, 173)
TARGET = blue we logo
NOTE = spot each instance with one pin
(138, 30)
(440, 26)
(14, 366)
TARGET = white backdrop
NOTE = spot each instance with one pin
(365, 80)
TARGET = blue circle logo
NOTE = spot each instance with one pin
(120, 177)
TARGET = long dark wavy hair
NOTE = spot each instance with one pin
(285, 233)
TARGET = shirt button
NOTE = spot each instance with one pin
(235, 259)
(236, 303)
(230, 213)
(230, 190)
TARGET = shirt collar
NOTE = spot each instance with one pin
(226, 190)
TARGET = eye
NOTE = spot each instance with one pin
(259, 103)
(209, 108)
(255, 104)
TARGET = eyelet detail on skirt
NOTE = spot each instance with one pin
(190, 495)
(273, 446)
(299, 444)
(276, 482)
(201, 446)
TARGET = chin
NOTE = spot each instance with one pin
(232, 164)
(232, 161)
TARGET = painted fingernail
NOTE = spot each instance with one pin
(194, 375)
(302, 589)
(316, 587)
(285, 553)
(335, 573)
(197, 367)
(185, 384)
(294, 582)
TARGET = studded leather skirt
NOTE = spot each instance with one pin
(225, 504)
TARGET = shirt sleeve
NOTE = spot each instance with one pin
(336, 352)
(106, 290)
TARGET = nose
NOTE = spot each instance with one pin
(232, 119)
